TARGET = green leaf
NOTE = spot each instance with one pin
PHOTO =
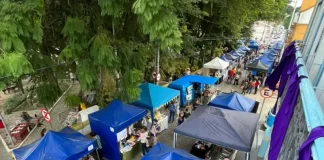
(6, 44)
(18, 45)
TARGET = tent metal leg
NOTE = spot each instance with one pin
(174, 140)
(98, 154)
(247, 156)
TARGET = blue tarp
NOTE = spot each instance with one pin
(110, 120)
(233, 101)
(164, 152)
(152, 96)
(64, 145)
(222, 127)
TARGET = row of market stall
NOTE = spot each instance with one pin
(114, 124)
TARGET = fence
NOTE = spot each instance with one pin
(308, 114)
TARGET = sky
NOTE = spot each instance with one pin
(299, 3)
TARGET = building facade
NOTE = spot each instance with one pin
(308, 112)
(301, 20)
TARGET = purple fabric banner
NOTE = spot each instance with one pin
(287, 61)
(281, 72)
(305, 148)
(284, 115)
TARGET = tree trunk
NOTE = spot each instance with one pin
(20, 85)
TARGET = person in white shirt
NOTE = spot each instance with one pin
(72, 77)
(143, 135)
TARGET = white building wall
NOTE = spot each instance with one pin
(305, 16)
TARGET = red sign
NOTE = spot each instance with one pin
(266, 92)
(46, 115)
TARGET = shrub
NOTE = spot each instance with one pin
(13, 102)
(72, 101)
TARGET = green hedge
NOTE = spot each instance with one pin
(13, 102)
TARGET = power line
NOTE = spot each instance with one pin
(41, 69)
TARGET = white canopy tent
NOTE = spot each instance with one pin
(218, 64)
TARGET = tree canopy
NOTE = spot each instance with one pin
(110, 44)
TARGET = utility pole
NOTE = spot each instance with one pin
(157, 61)
(288, 29)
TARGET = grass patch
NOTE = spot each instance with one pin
(13, 102)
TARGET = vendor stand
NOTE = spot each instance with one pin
(186, 87)
(114, 125)
(225, 128)
(234, 101)
(216, 64)
(66, 144)
(155, 99)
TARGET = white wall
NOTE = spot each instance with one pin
(305, 16)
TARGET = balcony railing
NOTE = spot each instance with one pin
(308, 114)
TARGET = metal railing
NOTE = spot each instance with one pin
(308, 114)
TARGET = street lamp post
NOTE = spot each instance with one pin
(288, 29)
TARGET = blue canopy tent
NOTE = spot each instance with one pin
(233, 101)
(244, 48)
(164, 152)
(224, 58)
(240, 51)
(257, 65)
(235, 53)
(185, 86)
(253, 45)
(111, 120)
(66, 144)
(222, 127)
(277, 45)
(153, 97)
(229, 56)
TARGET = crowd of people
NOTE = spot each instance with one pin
(249, 84)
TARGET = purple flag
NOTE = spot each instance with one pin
(305, 148)
(284, 115)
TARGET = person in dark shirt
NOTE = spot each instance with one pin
(43, 132)
(181, 118)
(172, 108)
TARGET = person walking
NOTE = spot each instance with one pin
(251, 86)
(245, 86)
(172, 108)
(257, 84)
(250, 76)
(237, 78)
